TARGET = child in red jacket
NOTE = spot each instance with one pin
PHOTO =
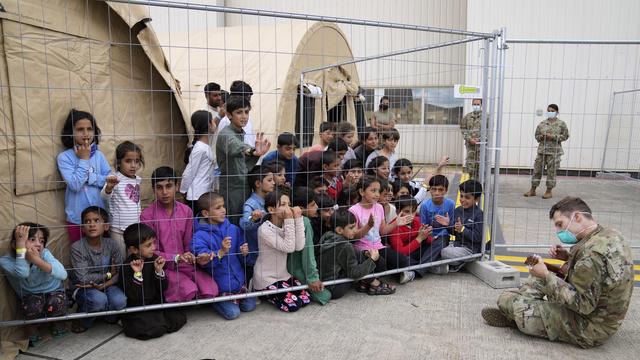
(408, 239)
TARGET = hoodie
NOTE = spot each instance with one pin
(227, 271)
(337, 259)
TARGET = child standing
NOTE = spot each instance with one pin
(330, 174)
(437, 213)
(302, 264)
(221, 251)
(467, 227)
(326, 136)
(83, 167)
(144, 282)
(122, 191)
(371, 227)
(197, 177)
(36, 277)
(390, 140)
(96, 261)
(379, 167)
(337, 257)
(347, 132)
(368, 145)
(235, 157)
(173, 223)
(261, 181)
(282, 233)
(286, 148)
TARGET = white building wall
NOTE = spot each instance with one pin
(579, 78)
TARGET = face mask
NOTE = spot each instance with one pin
(384, 107)
(551, 114)
(566, 236)
(476, 108)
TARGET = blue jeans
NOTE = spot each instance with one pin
(91, 300)
(229, 310)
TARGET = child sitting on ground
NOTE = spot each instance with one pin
(122, 191)
(338, 259)
(220, 249)
(437, 212)
(173, 223)
(260, 180)
(386, 200)
(281, 233)
(144, 282)
(467, 227)
(408, 240)
(302, 264)
(96, 263)
(403, 173)
(37, 278)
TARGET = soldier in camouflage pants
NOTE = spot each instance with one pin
(587, 302)
(550, 134)
(470, 127)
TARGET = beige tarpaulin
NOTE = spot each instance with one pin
(269, 58)
(59, 54)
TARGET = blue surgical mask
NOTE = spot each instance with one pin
(551, 114)
(476, 108)
(566, 236)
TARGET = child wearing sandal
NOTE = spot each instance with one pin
(371, 227)
(281, 233)
(36, 277)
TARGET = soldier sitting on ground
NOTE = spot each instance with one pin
(586, 307)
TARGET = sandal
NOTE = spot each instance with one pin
(362, 286)
(381, 289)
(77, 327)
(59, 332)
(36, 340)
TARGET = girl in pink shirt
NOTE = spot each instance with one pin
(372, 226)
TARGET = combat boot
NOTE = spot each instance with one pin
(495, 317)
(547, 194)
(531, 192)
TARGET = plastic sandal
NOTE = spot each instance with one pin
(362, 287)
(381, 289)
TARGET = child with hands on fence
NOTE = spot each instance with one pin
(221, 251)
(83, 167)
(122, 191)
(37, 278)
(144, 282)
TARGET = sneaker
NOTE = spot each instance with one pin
(495, 317)
(407, 276)
(440, 269)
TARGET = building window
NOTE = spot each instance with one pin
(418, 106)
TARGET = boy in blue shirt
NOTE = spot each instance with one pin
(261, 182)
(287, 145)
(436, 212)
(467, 227)
(220, 250)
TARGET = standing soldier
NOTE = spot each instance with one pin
(550, 134)
(470, 128)
(587, 302)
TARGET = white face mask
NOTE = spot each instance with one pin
(551, 114)
(476, 108)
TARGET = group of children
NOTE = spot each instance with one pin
(274, 222)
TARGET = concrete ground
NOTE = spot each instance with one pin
(523, 220)
(433, 318)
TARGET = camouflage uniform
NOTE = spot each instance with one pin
(589, 305)
(549, 151)
(470, 128)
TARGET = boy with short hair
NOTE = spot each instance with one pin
(235, 157)
(436, 212)
(144, 281)
(285, 152)
(96, 261)
(338, 259)
(221, 250)
(351, 174)
(347, 132)
(261, 181)
(302, 264)
(330, 174)
(467, 227)
(173, 223)
(322, 223)
(311, 162)
(326, 136)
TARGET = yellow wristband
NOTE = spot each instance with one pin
(21, 251)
